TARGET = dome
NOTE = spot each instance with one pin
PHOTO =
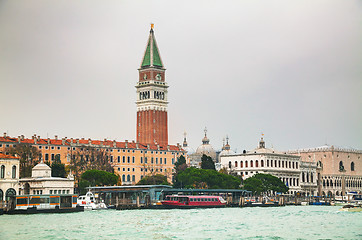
(41, 170)
(205, 149)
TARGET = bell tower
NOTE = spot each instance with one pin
(152, 96)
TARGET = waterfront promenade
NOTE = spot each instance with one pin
(290, 222)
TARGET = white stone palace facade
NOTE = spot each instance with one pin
(339, 170)
(286, 167)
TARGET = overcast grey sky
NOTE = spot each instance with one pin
(289, 69)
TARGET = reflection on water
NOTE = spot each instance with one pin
(291, 222)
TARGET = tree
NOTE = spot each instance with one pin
(29, 157)
(157, 179)
(207, 162)
(97, 178)
(262, 183)
(205, 178)
(180, 165)
(58, 169)
(89, 158)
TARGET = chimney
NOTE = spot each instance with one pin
(105, 139)
(4, 134)
(63, 141)
(19, 139)
(22, 137)
(114, 143)
(82, 138)
(126, 143)
(71, 140)
(168, 147)
(132, 141)
(38, 138)
(48, 140)
(137, 145)
(178, 145)
(148, 146)
(89, 141)
(158, 147)
(56, 137)
(77, 140)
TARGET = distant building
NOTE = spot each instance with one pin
(263, 160)
(204, 148)
(42, 182)
(339, 170)
(9, 176)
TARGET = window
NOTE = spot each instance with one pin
(229, 164)
(246, 164)
(133, 178)
(352, 166)
(173, 161)
(156, 160)
(2, 174)
(151, 159)
(123, 159)
(46, 157)
(53, 156)
(39, 147)
(119, 169)
(141, 160)
(262, 163)
(111, 158)
(251, 163)
(165, 161)
(132, 169)
(123, 178)
(14, 172)
(58, 148)
(236, 164)
(132, 159)
(128, 178)
(128, 159)
(241, 164)
(145, 159)
(52, 147)
(119, 159)
(128, 169)
(256, 163)
(160, 160)
(51, 191)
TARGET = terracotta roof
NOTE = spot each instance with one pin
(110, 143)
(7, 156)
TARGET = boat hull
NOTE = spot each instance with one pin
(35, 210)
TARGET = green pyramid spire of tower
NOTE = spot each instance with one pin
(152, 56)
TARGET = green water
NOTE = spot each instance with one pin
(291, 222)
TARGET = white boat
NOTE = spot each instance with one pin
(89, 203)
(351, 208)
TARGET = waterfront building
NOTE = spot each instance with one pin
(41, 182)
(205, 148)
(339, 170)
(9, 177)
(268, 161)
(131, 160)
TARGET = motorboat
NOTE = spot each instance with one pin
(351, 208)
(89, 203)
